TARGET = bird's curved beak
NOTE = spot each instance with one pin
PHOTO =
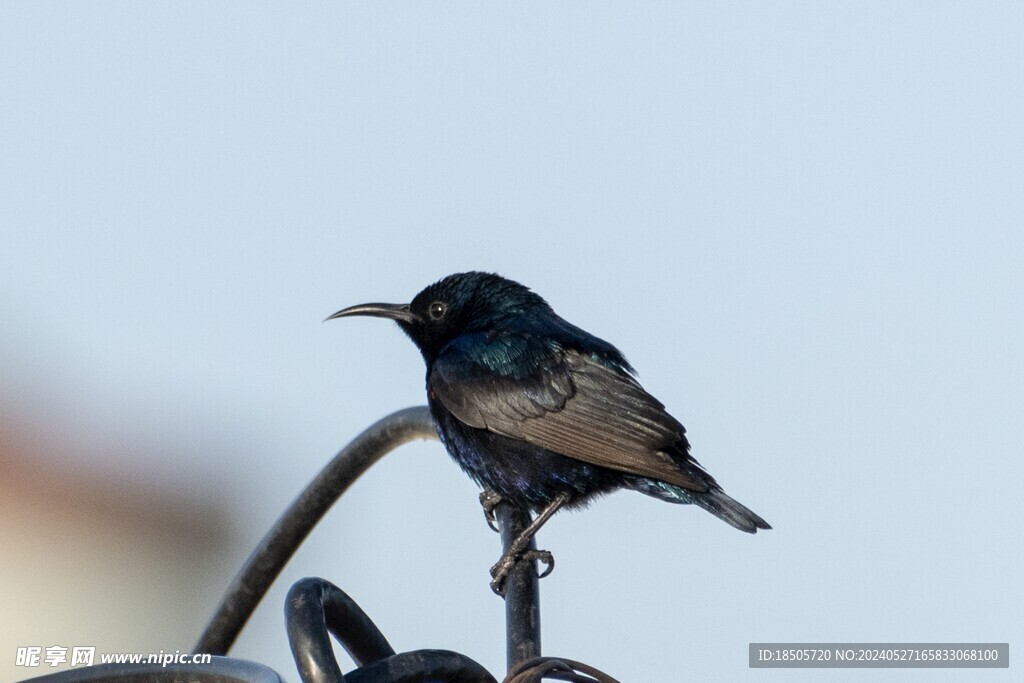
(398, 312)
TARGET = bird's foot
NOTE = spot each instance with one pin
(488, 501)
(500, 571)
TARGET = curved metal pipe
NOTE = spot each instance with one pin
(270, 556)
(316, 609)
(422, 666)
(220, 670)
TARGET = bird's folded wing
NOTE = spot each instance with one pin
(567, 403)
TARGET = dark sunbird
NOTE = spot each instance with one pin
(540, 412)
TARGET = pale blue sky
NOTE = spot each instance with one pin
(802, 223)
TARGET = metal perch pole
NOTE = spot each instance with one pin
(522, 592)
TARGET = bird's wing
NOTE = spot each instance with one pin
(561, 400)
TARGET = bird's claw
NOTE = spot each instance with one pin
(500, 571)
(488, 501)
(544, 556)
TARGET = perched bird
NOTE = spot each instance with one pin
(540, 412)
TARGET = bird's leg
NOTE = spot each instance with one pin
(488, 501)
(514, 552)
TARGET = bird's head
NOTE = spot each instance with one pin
(459, 304)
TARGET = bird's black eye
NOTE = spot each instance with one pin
(438, 309)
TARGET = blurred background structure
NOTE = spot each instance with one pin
(98, 556)
(822, 200)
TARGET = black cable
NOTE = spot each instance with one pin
(540, 668)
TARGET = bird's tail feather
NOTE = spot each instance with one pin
(732, 511)
(714, 501)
